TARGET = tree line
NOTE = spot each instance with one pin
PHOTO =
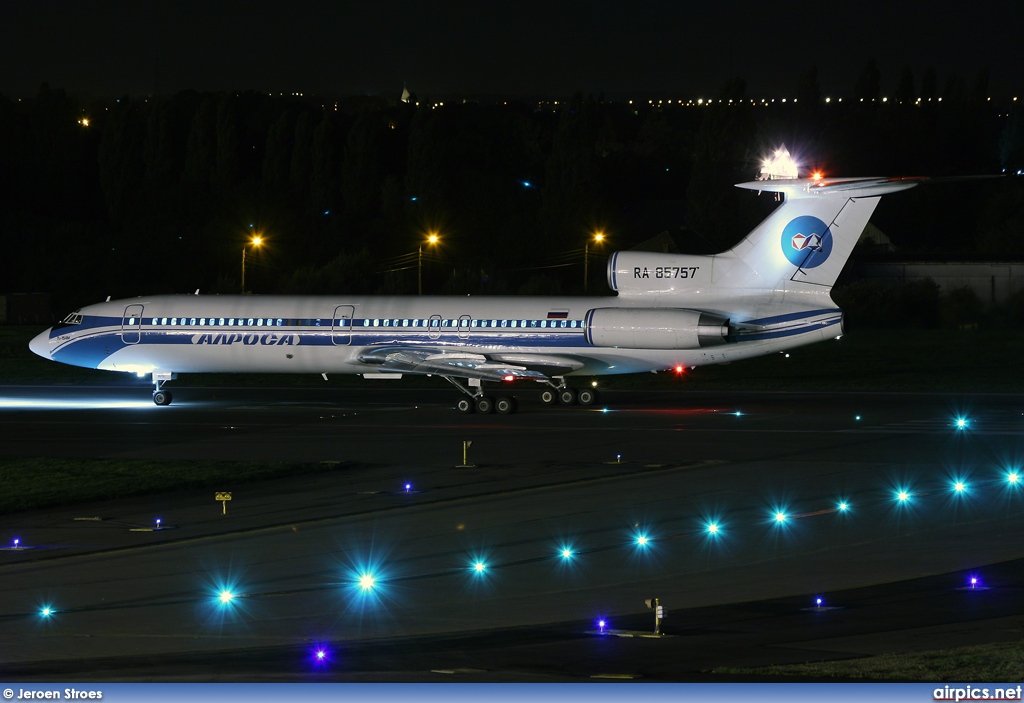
(141, 195)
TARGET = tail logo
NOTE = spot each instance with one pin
(806, 242)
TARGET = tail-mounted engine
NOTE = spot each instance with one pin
(655, 328)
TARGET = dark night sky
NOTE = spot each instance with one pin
(113, 47)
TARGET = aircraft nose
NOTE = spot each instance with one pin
(40, 344)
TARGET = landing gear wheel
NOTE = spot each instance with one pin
(162, 397)
(586, 397)
(464, 405)
(548, 396)
(505, 406)
(484, 405)
(567, 396)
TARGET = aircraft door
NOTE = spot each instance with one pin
(464, 322)
(341, 325)
(434, 331)
(131, 324)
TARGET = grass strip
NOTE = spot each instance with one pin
(29, 484)
(1001, 661)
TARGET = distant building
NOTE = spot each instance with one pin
(992, 282)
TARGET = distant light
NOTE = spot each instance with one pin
(780, 517)
(1013, 478)
(567, 553)
(738, 414)
(974, 582)
(367, 582)
(526, 184)
(713, 528)
(817, 602)
(601, 625)
(45, 611)
(225, 597)
(843, 506)
(856, 417)
(408, 487)
(680, 368)
(959, 486)
(641, 540)
(903, 496)
(962, 423)
(16, 542)
(479, 567)
(158, 521)
(321, 655)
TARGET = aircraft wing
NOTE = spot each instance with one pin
(466, 365)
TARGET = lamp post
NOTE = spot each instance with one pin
(598, 238)
(431, 239)
(256, 241)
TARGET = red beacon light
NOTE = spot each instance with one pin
(679, 369)
(816, 176)
(509, 378)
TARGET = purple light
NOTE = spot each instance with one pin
(600, 625)
(158, 521)
(16, 542)
(818, 602)
(407, 487)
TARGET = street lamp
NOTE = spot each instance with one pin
(256, 241)
(432, 239)
(598, 238)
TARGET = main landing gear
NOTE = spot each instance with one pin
(160, 396)
(564, 395)
(476, 401)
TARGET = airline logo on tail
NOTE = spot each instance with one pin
(806, 242)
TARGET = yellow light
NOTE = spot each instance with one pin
(256, 241)
(599, 237)
(432, 239)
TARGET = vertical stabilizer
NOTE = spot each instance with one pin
(805, 242)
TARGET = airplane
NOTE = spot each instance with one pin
(767, 294)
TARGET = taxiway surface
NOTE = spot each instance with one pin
(768, 469)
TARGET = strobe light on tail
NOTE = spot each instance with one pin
(769, 293)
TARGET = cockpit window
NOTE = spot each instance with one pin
(74, 318)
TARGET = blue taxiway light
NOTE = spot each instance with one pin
(962, 423)
(45, 611)
(843, 506)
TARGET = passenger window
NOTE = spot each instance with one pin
(174, 321)
(192, 321)
(221, 322)
(504, 323)
(202, 322)
(280, 322)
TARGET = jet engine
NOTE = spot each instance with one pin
(655, 328)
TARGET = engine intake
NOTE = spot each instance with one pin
(655, 328)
